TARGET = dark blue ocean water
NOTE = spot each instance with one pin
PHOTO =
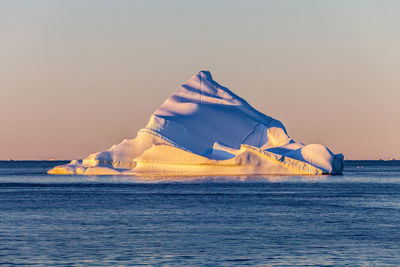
(352, 219)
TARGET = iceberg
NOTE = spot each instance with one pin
(206, 129)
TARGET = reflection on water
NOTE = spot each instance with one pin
(213, 179)
(49, 220)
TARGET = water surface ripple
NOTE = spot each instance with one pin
(352, 219)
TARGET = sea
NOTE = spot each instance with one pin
(345, 220)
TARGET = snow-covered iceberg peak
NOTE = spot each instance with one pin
(204, 128)
(202, 112)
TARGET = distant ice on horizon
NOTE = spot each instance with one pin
(206, 129)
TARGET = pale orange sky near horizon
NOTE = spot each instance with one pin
(77, 77)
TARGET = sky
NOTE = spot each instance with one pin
(77, 77)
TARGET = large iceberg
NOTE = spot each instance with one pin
(205, 129)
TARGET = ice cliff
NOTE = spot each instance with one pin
(205, 129)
